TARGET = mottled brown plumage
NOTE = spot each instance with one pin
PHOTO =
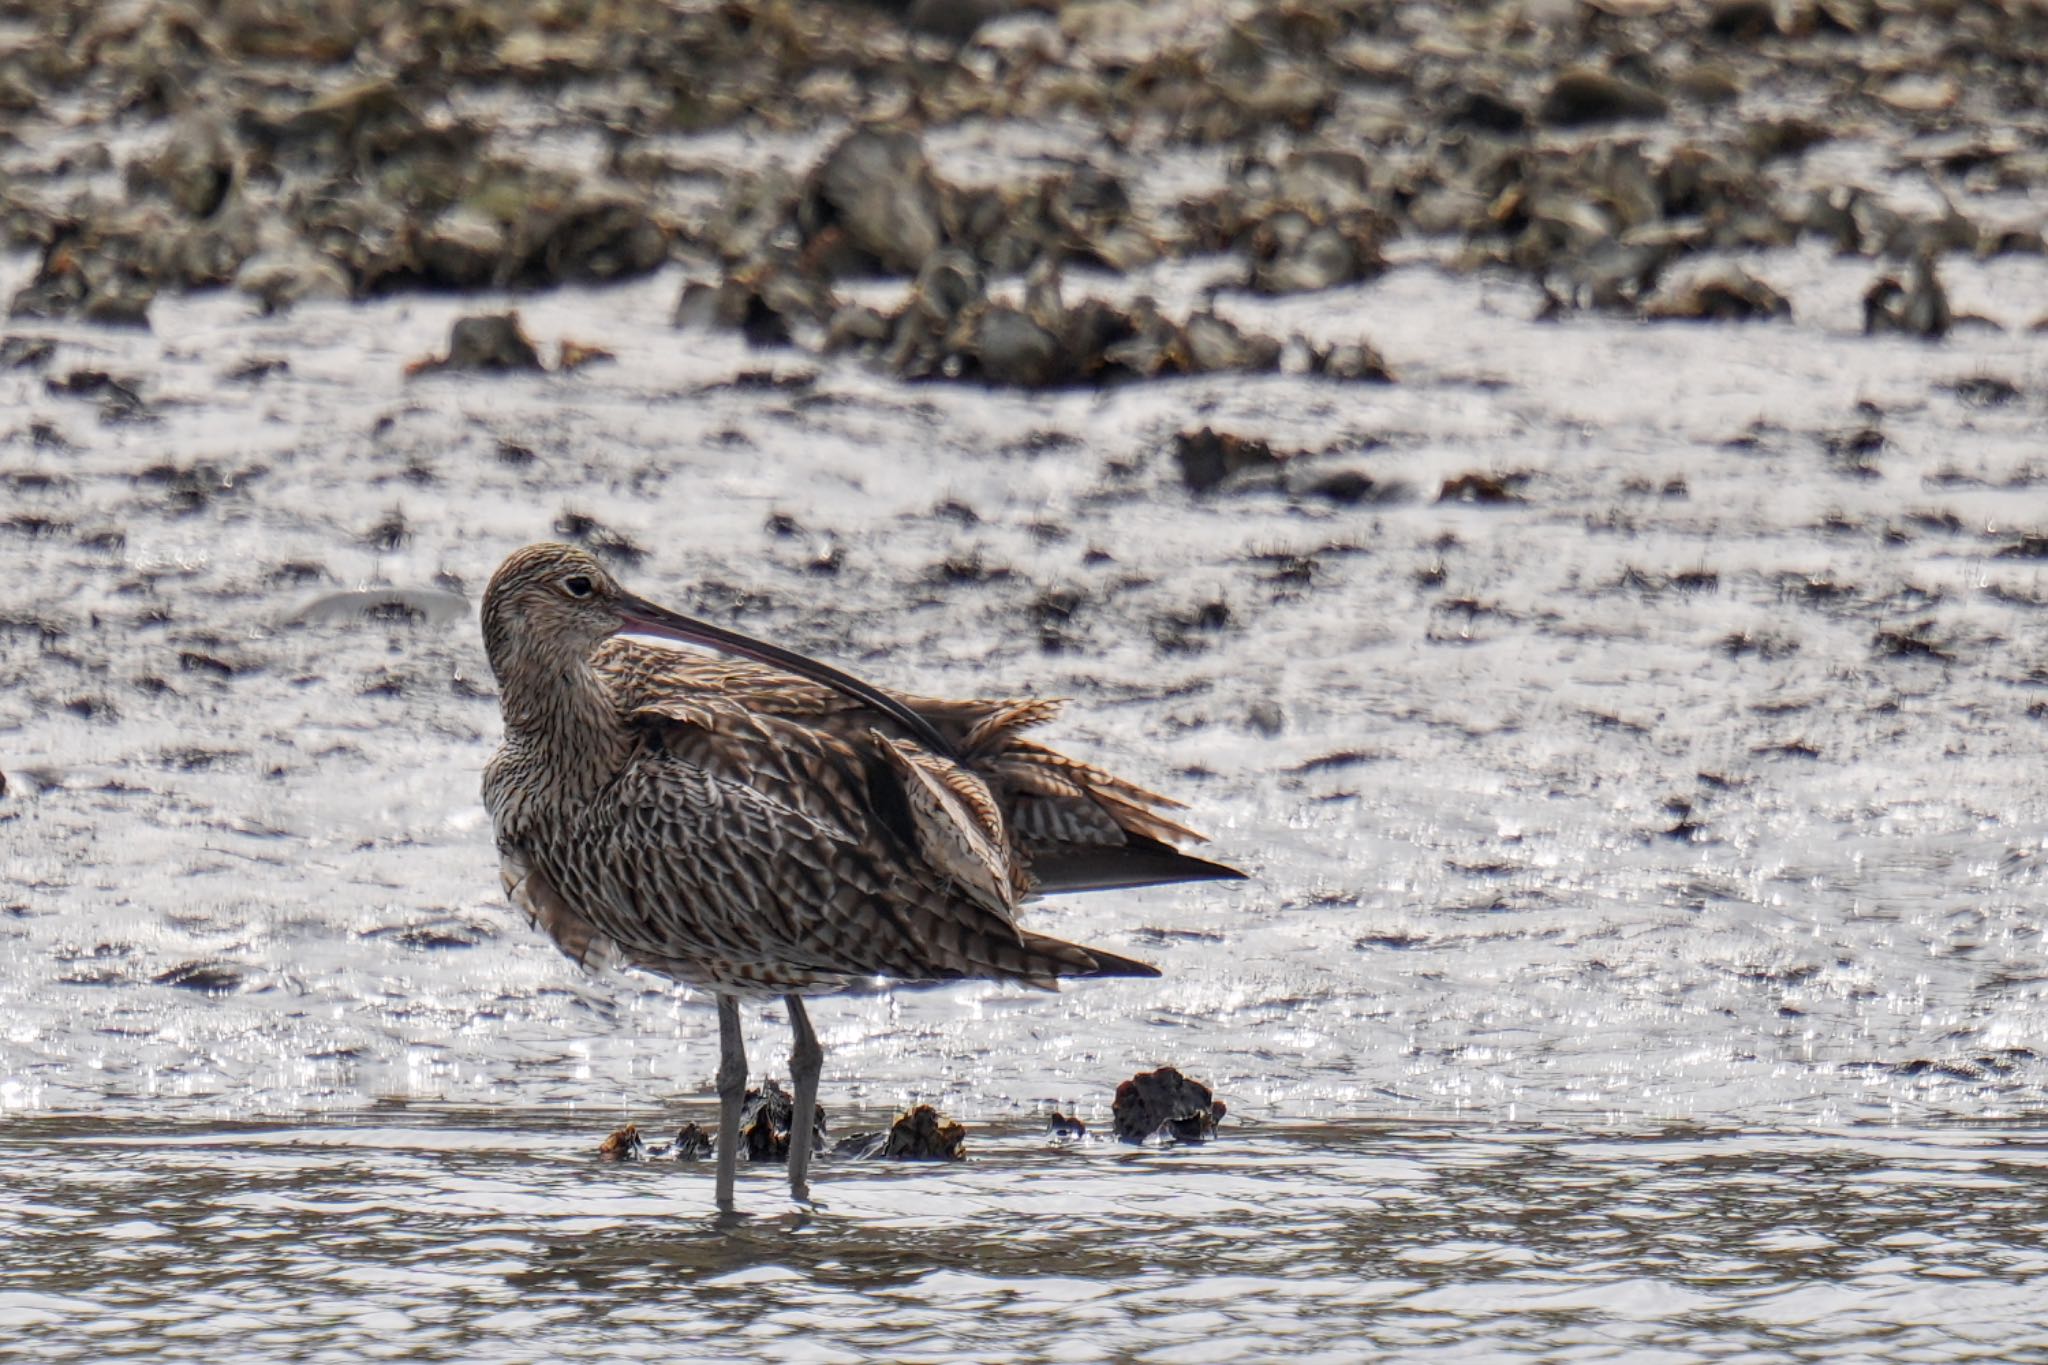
(770, 826)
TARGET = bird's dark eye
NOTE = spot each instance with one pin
(576, 585)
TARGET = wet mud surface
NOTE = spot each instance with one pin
(1628, 722)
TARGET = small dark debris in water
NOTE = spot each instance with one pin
(623, 1145)
(602, 540)
(190, 488)
(764, 1123)
(433, 935)
(45, 436)
(33, 527)
(1065, 1127)
(191, 661)
(968, 568)
(93, 708)
(574, 355)
(692, 1144)
(257, 368)
(1791, 748)
(1208, 457)
(390, 534)
(2030, 546)
(1341, 758)
(1164, 1102)
(919, 1134)
(1765, 645)
(1912, 643)
(1486, 489)
(1853, 452)
(1696, 580)
(1984, 391)
(489, 344)
(1686, 829)
(26, 353)
(298, 571)
(208, 978)
(194, 758)
(1352, 487)
(1918, 308)
(118, 393)
(514, 454)
(767, 381)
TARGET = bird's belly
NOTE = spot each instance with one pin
(580, 935)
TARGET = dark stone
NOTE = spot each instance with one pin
(1582, 98)
(490, 344)
(1484, 111)
(1208, 457)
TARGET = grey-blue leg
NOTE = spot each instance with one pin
(732, 1092)
(806, 1060)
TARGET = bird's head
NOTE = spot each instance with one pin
(548, 599)
(552, 603)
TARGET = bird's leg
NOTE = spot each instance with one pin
(732, 1092)
(806, 1059)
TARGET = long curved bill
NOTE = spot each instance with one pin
(643, 617)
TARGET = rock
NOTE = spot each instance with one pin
(1918, 308)
(194, 170)
(1209, 457)
(1215, 345)
(89, 276)
(285, 272)
(1724, 294)
(596, 236)
(1584, 97)
(871, 205)
(1350, 360)
(1165, 1103)
(462, 249)
(1486, 111)
(490, 344)
(1015, 351)
(1292, 253)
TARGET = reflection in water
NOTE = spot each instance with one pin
(444, 1237)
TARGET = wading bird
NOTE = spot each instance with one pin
(766, 825)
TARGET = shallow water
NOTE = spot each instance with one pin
(462, 1235)
(1699, 788)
